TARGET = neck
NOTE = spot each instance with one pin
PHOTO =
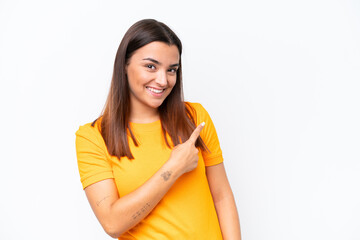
(144, 118)
(139, 115)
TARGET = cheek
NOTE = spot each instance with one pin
(172, 81)
(137, 78)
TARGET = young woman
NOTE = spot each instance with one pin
(151, 164)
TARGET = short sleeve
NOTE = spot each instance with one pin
(209, 136)
(92, 160)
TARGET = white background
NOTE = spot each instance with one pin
(279, 78)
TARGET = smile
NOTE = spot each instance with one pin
(155, 90)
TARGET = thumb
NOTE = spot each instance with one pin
(196, 133)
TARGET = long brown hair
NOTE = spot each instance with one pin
(177, 118)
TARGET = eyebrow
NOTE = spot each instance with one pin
(157, 62)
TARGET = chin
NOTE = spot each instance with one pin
(156, 104)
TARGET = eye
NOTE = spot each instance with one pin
(172, 70)
(150, 66)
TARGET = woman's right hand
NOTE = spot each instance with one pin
(185, 156)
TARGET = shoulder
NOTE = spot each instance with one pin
(87, 129)
(90, 132)
(91, 127)
(198, 111)
(195, 107)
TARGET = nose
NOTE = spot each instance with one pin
(161, 78)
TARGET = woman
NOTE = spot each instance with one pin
(140, 163)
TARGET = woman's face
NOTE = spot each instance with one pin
(151, 72)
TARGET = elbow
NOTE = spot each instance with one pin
(223, 197)
(112, 234)
(113, 230)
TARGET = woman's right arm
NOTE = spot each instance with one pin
(118, 215)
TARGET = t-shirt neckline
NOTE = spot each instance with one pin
(147, 127)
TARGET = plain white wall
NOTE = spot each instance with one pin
(279, 78)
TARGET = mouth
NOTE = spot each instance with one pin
(155, 90)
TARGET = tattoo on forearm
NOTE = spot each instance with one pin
(142, 210)
(98, 202)
(166, 175)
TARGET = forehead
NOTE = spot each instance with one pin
(159, 51)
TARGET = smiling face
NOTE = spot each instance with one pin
(151, 73)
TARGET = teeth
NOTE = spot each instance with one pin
(155, 90)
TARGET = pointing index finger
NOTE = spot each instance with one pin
(196, 132)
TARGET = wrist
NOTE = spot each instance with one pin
(171, 170)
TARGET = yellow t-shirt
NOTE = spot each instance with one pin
(187, 210)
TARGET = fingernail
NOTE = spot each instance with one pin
(203, 124)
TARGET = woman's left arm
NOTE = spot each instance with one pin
(224, 202)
